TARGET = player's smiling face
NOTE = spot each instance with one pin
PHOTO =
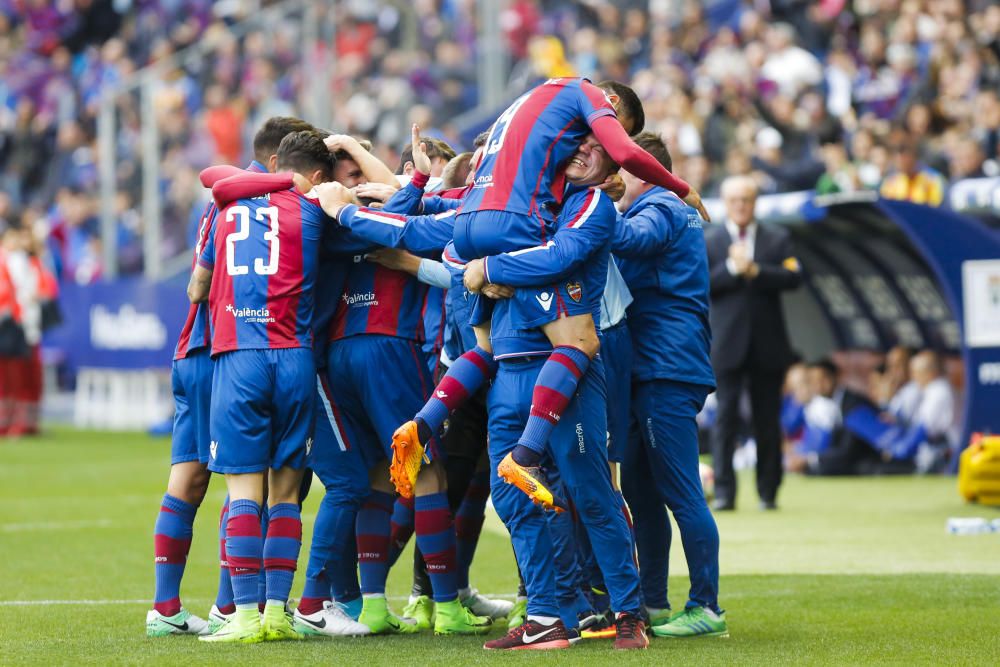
(590, 165)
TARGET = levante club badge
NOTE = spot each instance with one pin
(575, 291)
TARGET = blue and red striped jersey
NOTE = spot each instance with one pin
(521, 170)
(378, 300)
(197, 332)
(264, 256)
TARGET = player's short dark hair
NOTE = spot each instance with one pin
(827, 366)
(653, 144)
(436, 148)
(630, 103)
(481, 139)
(305, 153)
(274, 129)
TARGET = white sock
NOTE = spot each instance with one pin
(543, 620)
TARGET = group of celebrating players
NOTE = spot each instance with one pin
(575, 340)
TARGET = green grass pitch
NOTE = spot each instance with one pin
(847, 572)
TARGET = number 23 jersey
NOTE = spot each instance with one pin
(264, 254)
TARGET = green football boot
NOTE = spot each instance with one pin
(242, 627)
(659, 616)
(277, 624)
(376, 615)
(694, 622)
(519, 614)
(181, 623)
(421, 610)
(451, 618)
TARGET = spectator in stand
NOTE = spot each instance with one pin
(928, 64)
(840, 174)
(912, 181)
(967, 159)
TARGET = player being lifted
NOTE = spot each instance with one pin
(263, 397)
(519, 182)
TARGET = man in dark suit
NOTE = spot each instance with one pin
(750, 265)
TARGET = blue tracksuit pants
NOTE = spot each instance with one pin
(664, 457)
(578, 449)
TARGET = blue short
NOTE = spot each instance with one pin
(378, 382)
(484, 233)
(616, 351)
(335, 457)
(533, 307)
(263, 409)
(191, 378)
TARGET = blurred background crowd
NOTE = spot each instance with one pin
(897, 95)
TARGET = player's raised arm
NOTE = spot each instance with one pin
(373, 168)
(611, 132)
(249, 184)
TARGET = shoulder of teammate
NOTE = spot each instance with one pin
(586, 205)
(594, 102)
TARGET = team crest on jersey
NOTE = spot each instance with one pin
(575, 291)
(213, 447)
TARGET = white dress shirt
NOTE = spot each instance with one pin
(749, 240)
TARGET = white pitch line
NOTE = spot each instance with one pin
(54, 525)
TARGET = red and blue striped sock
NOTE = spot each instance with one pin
(401, 527)
(224, 597)
(467, 374)
(315, 593)
(373, 542)
(281, 549)
(469, 523)
(553, 391)
(262, 580)
(171, 543)
(436, 539)
(244, 548)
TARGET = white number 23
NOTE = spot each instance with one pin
(243, 232)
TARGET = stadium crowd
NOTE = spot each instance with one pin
(897, 95)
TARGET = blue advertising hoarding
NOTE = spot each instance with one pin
(130, 323)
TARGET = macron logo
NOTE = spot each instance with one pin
(544, 300)
(213, 448)
(442, 394)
